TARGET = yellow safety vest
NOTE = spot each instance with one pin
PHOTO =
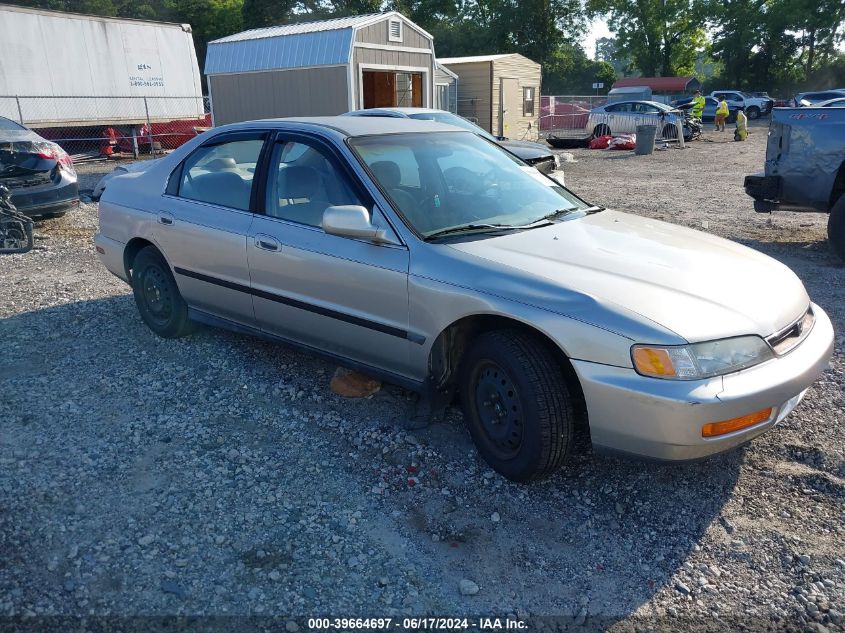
(698, 107)
(722, 109)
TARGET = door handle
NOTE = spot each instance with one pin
(165, 217)
(267, 243)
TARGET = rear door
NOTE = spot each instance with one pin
(345, 296)
(203, 222)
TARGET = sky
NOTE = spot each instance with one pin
(597, 29)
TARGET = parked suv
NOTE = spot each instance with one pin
(755, 107)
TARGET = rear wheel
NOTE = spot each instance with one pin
(157, 296)
(601, 130)
(836, 228)
(517, 404)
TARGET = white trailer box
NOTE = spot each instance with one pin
(61, 69)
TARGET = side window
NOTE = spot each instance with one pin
(618, 107)
(528, 101)
(303, 183)
(221, 174)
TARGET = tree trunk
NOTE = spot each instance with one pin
(811, 52)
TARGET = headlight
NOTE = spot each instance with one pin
(700, 360)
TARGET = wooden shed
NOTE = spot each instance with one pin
(499, 92)
(320, 68)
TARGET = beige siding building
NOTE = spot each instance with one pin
(499, 92)
(320, 68)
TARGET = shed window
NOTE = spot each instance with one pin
(394, 30)
(528, 102)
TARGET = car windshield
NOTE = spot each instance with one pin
(456, 182)
(8, 124)
(453, 119)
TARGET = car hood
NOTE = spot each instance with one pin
(526, 149)
(699, 286)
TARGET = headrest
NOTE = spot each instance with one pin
(387, 173)
(221, 164)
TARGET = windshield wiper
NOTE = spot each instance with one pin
(561, 212)
(471, 228)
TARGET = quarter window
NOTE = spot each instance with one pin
(304, 182)
(221, 174)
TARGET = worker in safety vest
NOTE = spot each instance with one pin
(697, 105)
(741, 125)
(721, 114)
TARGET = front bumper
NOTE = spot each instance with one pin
(766, 191)
(662, 419)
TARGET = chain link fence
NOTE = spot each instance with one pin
(101, 127)
(567, 116)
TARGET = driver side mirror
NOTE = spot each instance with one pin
(352, 220)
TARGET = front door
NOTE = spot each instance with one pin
(345, 296)
(203, 222)
(510, 106)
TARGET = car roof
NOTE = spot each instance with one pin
(407, 111)
(656, 103)
(356, 125)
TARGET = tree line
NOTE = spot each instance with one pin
(774, 45)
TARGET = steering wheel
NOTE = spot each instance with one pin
(462, 180)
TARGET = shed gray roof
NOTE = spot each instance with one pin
(320, 43)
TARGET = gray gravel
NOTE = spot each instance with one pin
(217, 474)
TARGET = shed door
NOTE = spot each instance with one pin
(510, 105)
(389, 89)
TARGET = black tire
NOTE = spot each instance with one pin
(517, 404)
(602, 129)
(157, 295)
(753, 112)
(836, 228)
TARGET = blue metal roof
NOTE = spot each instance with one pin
(316, 48)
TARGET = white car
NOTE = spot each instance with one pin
(623, 117)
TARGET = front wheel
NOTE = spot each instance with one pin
(836, 228)
(517, 404)
(157, 296)
(753, 112)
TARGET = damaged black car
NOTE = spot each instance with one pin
(38, 174)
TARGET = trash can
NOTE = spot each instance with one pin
(645, 139)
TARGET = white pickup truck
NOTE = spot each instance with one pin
(755, 107)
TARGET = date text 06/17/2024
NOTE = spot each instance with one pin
(416, 624)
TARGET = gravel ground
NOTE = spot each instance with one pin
(218, 474)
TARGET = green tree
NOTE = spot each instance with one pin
(662, 37)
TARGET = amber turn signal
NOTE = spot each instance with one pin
(714, 429)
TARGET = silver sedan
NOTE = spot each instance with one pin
(623, 117)
(428, 256)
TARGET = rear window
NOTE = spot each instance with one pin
(8, 124)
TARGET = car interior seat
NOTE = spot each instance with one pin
(390, 176)
(300, 195)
